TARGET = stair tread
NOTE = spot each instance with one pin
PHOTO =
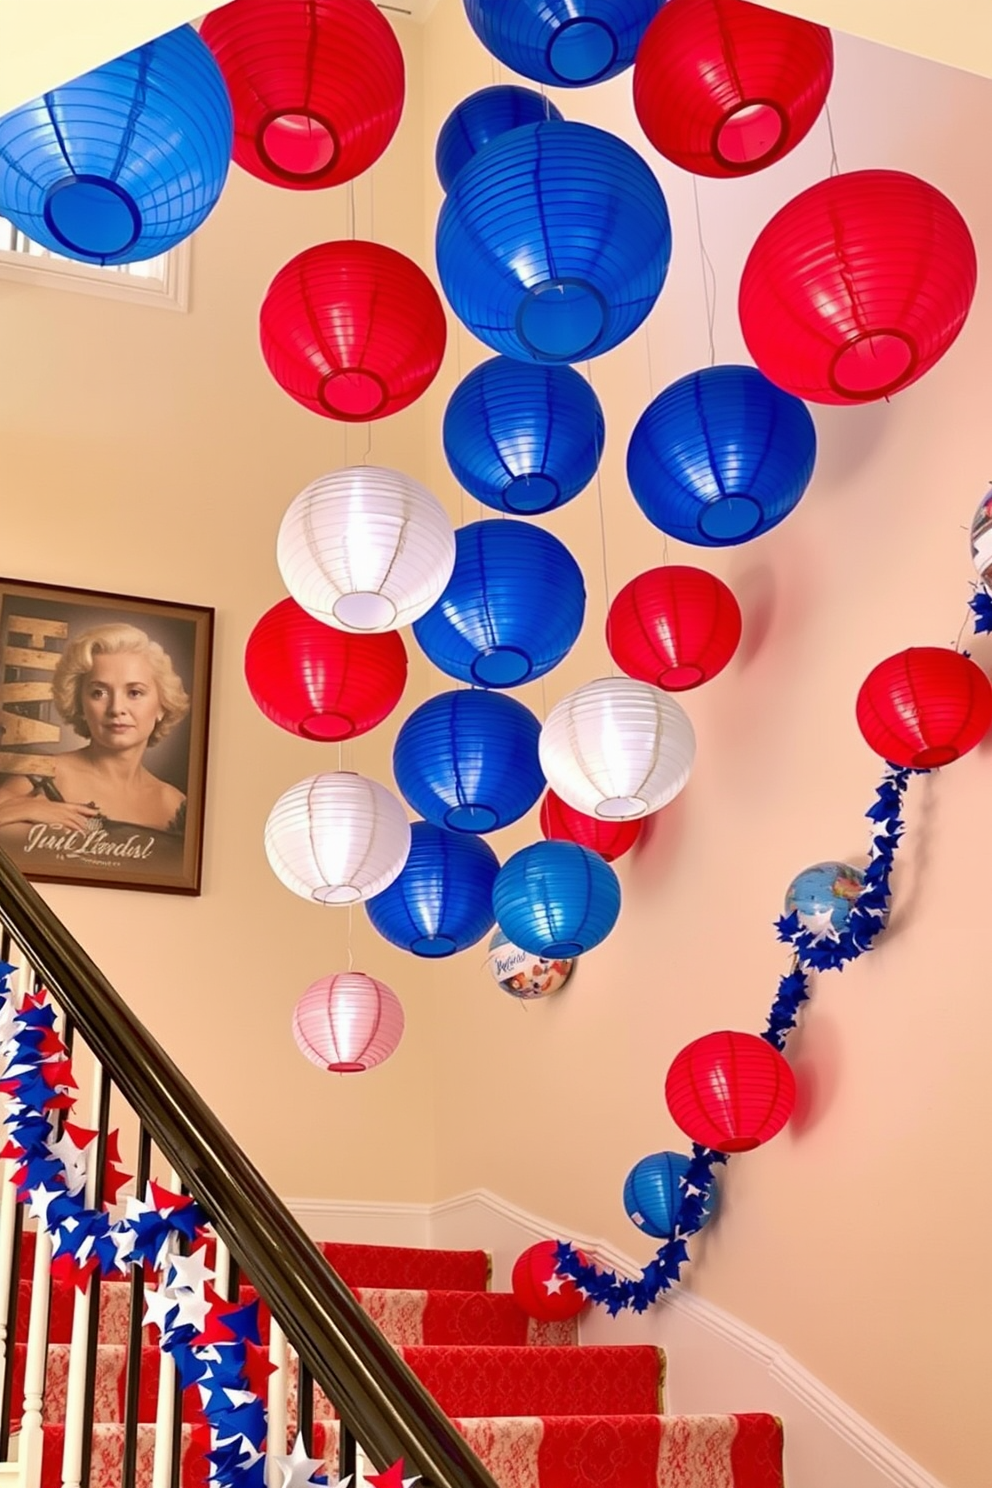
(469, 1380)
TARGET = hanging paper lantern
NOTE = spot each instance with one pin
(348, 1023)
(857, 286)
(319, 682)
(981, 540)
(124, 162)
(442, 902)
(317, 86)
(925, 707)
(538, 1288)
(484, 116)
(523, 438)
(365, 549)
(556, 899)
(654, 1190)
(611, 839)
(523, 975)
(553, 242)
(721, 456)
(570, 43)
(337, 838)
(822, 896)
(490, 626)
(730, 1091)
(723, 88)
(352, 330)
(468, 760)
(675, 627)
(617, 748)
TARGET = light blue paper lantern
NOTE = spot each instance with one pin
(522, 437)
(484, 116)
(653, 1193)
(468, 760)
(126, 161)
(570, 43)
(556, 899)
(442, 902)
(553, 243)
(512, 609)
(721, 456)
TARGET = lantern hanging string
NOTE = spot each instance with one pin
(709, 275)
(834, 163)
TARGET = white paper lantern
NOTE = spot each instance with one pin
(337, 838)
(366, 549)
(617, 748)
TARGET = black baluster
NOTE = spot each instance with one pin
(347, 1454)
(93, 1333)
(304, 1406)
(132, 1383)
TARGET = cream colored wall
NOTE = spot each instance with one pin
(857, 1239)
(150, 453)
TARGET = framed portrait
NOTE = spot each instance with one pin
(104, 704)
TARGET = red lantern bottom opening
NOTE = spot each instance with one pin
(739, 1144)
(327, 726)
(561, 319)
(621, 808)
(679, 678)
(351, 393)
(530, 495)
(298, 146)
(873, 364)
(933, 758)
(750, 134)
(346, 1069)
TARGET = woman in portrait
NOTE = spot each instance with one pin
(120, 692)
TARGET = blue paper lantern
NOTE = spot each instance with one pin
(553, 242)
(493, 625)
(482, 117)
(570, 43)
(556, 899)
(124, 162)
(523, 438)
(468, 760)
(442, 902)
(652, 1194)
(721, 456)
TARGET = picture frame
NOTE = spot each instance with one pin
(104, 723)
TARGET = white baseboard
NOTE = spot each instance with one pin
(716, 1362)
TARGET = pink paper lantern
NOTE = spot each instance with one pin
(348, 1022)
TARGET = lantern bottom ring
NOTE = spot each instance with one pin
(873, 364)
(933, 758)
(754, 132)
(92, 216)
(680, 678)
(297, 145)
(346, 1069)
(736, 1144)
(621, 808)
(353, 394)
(472, 818)
(503, 666)
(364, 610)
(730, 519)
(562, 319)
(582, 50)
(336, 894)
(530, 495)
(560, 950)
(434, 946)
(332, 727)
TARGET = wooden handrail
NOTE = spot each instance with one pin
(374, 1392)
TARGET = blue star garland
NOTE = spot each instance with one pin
(981, 604)
(866, 920)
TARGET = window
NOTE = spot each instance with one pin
(162, 281)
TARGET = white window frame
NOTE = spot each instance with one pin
(168, 293)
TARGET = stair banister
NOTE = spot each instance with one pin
(374, 1392)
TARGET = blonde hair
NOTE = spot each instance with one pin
(76, 662)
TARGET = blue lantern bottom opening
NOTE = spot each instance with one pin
(530, 495)
(562, 319)
(434, 946)
(353, 394)
(561, 950)
(297, 145)
(92, 217)
(327, 726)
(582, 50)
(873, 364)
(503, 666)
(730, 519)
(471, 818)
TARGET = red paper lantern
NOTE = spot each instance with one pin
(539, 1291)
(348, 1023)
(730, 1091)
(316, 85)
(675, 627)
(925, 707)
(352, 330)
(723, 88)
(562, 823)
(319, 682)
(857, 287)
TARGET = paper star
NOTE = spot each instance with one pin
(554, 1284)
(392, 1477)
(41, 1197)
(298, 1469)
(190, 1272)
(820, 924)
(158, 1305)
(193, 1310)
